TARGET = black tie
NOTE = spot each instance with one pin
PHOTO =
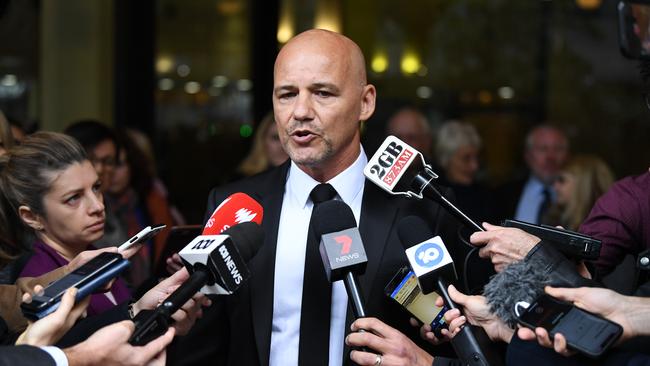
(316, 294)
(546, 203)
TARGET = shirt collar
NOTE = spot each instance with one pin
(348, 183)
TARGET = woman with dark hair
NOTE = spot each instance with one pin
(50, 191)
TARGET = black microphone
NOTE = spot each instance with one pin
(399, 169)
(341, 249)
(224, 266)
(519, 281)
(433, 266)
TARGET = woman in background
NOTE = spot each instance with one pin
(457, 152)
(50, 192)
(578, 186)
(267, 150)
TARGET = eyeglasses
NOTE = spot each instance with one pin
(108, 162)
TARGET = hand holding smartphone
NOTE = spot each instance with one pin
(584, 332)
(404, 289)
(87, 279)
(141, 237)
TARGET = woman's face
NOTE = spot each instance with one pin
(121, 175)
(564, 186)
(463, 165)
(273, 147)
(74, 208)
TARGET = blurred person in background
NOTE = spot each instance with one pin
(134, 201)
(411, 126)
(266, 152)
(51, 192)
(457, 152)
(580, 183)
(546, 152)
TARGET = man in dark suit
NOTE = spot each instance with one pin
(546, 152)
(320, 97)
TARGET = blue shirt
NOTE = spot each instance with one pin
(531, 199)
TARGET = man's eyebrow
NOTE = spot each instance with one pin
(283, 88)
(328, 86)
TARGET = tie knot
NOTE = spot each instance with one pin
(321, 193)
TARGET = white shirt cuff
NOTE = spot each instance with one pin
(57, 354)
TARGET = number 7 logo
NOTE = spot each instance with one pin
(346, 243)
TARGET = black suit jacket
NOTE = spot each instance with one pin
(243, 320)
(24, 355)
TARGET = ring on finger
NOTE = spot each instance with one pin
(378, 360)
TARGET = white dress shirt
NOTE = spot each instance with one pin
(531, 199)
(290, 262)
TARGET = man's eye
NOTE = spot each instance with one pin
(323, 93)
(287, 95)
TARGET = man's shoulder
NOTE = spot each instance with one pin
(256, 184)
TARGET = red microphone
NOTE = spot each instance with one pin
(237, 208)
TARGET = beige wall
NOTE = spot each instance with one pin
(76, 62)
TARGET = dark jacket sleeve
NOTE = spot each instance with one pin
(24, 356)
(86, 327)
(561, 271)
(444, 361)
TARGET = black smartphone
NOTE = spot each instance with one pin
(571, 243)
(584, 332)
(403, 288)
(87, 278)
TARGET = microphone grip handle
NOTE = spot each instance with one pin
(443, 284)
(185, 292)
(354, 295)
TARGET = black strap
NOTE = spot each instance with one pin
(316, 294)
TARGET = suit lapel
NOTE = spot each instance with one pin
(262, 283)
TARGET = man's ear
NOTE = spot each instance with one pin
(368, 99)
(30, 218)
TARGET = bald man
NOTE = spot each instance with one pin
(320, 98)
(412, 127)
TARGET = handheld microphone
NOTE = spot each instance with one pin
(237, 208)
(150, 324)
(199, 253)
(432, 265)
(341, 249)
(519, 281)
(399, 169)
(216, 265)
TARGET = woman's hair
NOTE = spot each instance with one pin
(592, 178)
(26, 175)
(6, 138)
(452, 136)
(91, 133)
(257, 161)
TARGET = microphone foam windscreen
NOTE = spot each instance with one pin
(248, 237)
(332, 216)
(412, 230)
(520, 281)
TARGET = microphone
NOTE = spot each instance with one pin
(519, 281)
(216, 265)
(200, 252)
(399, 169)
(237, 208)
(341, 249)
(226, 266)
(432, 265)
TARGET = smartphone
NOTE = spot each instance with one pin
(144, 235)
(87, 278)
(403, 288)
(584, 332)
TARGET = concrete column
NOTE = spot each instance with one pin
(76, 62)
